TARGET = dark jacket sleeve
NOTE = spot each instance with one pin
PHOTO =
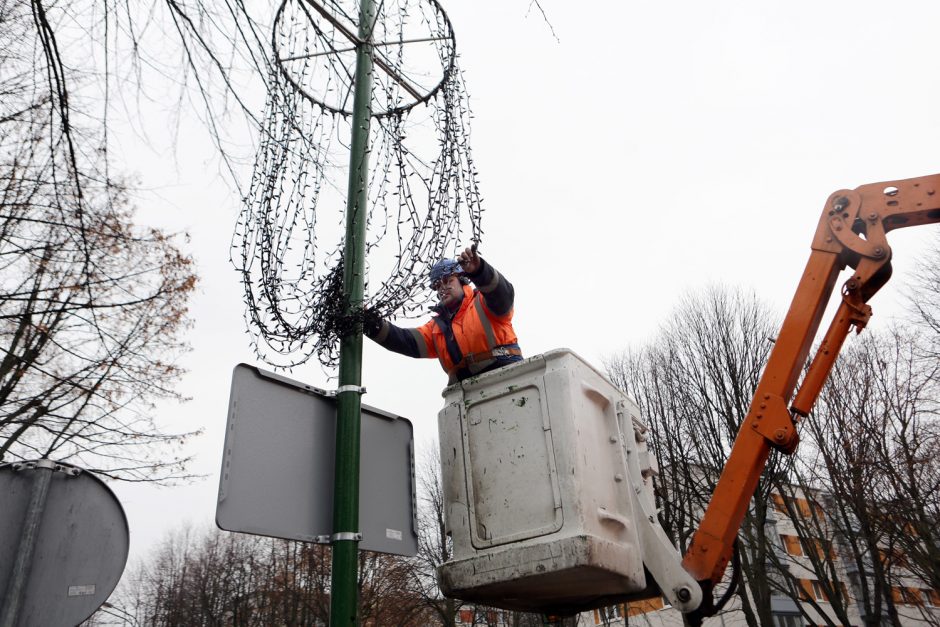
(498, 293)
(397, 339)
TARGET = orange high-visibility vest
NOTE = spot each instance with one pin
(479, 334)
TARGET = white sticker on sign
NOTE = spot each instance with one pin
(393, 534)
(81, 591)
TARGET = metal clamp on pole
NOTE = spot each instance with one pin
(349, 388)
(346, 535)
(47, 464)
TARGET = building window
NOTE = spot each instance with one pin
(605, 615)
(802, 507)
(931, 597)
(906, 596)
(808, 546)
(912, 596)
(810, 589)
(819, 546)
(635, 608)
(787, 620)
(893, 557)
(819, 593)
(792, 545)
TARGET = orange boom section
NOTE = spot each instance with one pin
(851, 233)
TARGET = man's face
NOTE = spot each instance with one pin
(450, 291)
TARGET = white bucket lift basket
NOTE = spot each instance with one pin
(548, 492)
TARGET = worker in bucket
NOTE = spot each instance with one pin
(471, 329)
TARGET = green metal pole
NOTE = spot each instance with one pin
(344, 606)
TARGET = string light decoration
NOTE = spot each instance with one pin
(424, 198)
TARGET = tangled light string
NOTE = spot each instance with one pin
(424, 199)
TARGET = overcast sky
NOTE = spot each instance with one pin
(653, 148)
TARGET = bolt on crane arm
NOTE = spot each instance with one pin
(852, 232)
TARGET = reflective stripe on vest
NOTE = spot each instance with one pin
(485, 323)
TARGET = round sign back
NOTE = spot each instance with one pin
(81, 543)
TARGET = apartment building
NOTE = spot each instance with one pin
(796, 551)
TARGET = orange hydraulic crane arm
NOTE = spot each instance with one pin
(851, 232)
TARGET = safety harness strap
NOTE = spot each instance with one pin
(453, 349)
(478, 361)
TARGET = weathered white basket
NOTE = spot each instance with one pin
(538, 462)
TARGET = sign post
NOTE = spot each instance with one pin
(343, 602)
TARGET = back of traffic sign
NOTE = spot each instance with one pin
(277, 466)
(79, 543)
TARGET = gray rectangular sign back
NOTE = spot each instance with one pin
(277, 466)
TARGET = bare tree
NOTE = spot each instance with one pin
(434, 545)
(875, 434)
(694, 382)
(92, 310)
(211, 577)
(861, 490)
(390, 594)
(217, 578)
(924, 297)
(92, 307)
(90, 62)
(909, 399)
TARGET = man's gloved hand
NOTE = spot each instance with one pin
(371, 322)
(469, 260)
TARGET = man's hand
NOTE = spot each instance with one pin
(470, 260)
(371, 322)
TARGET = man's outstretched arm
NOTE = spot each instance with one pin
(409, 342)
(498, 293)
